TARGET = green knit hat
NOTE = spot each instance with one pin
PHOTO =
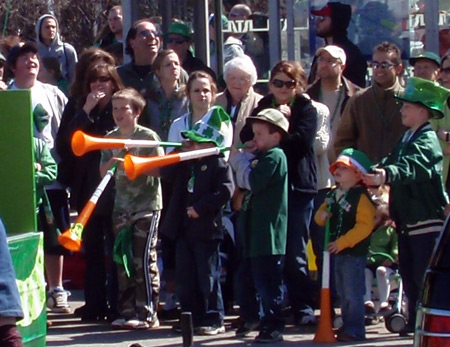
(426, 93)
(353, 158)
(214, 127)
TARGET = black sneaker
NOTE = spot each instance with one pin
(266, 336)
(245, 328)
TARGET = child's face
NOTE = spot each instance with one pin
(123, 114)
(413, 115)
(263, 139)
(347, 176)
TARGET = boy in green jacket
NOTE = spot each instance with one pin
(417, 199)
(263, 220)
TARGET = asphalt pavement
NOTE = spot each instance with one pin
(68, 330)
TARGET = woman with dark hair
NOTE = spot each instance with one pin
(166, 102)
(88, 57)
(93, 115)
(287, 85)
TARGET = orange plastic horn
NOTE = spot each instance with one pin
(83, 143)
(136, 166)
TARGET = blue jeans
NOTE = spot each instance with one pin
(296, 274)
(350, 286)
(197, 273)
(265, 274)
(9, 295)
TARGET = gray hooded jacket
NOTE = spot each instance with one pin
(64, 52)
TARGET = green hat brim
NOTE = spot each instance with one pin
(427, 94)
(435, 113)
(193, 136)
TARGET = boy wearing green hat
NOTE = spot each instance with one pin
(193, 219)
(351, 216)
(414, 172)
(262, 170)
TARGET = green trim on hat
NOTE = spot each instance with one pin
(356, 158)
(213, 127)
(427, 93)
(426, 55)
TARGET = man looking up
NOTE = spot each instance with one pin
(47, 103)
(332, 26)
(142, 44)
(371, 121)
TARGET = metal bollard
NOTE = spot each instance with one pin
(187, 329)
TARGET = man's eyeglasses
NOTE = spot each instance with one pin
(383, 65)
(446, 71)
(175, 40)
(279, 84)
(147, 33)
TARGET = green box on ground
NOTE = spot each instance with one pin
(27, 253)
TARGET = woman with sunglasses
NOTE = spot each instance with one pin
(94, 117)
(166, 102)
(287, 85)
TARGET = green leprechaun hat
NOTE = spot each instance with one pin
(214, 127)
(353, 158)
(427, 93)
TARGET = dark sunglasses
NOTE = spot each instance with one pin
(383, 65)
(279, 84)
(147, 33)
(175, 40)
(101, 79)
(446, 70)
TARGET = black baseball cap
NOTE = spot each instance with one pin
(21, 49)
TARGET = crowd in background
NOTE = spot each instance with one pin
(328, 111)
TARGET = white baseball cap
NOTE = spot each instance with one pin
(335, 51)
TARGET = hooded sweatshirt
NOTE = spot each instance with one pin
(64, 52)
(356, 66)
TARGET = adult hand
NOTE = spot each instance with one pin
(92, 100)
(376, 179)
(286, 110)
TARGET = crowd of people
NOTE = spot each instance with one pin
(331, 151)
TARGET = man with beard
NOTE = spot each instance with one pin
(332, 25)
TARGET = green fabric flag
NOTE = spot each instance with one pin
(123, 250)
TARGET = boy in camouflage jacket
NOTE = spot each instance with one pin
(137, 207)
